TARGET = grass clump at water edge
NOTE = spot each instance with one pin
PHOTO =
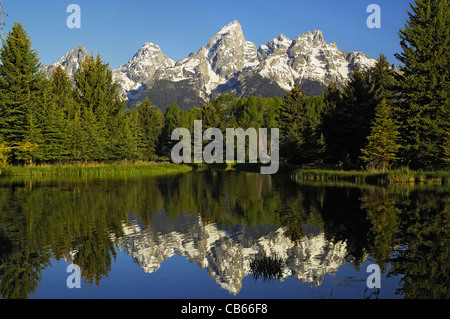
(403, 175)
(97, 169)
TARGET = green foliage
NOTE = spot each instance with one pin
(299, 121)
(21, 89)
(267, 268)
(382, 145)
(66, 116)
(384, 216)
(348, 127)
(26, 151)
(3, 156)
(424, 84)
(424, 263)
(102, 111)
(149, 122)
(348, 117)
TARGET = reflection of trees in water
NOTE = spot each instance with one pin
(83, 221)
(344, 220)
(225, 198)
(51, 221)
(416, 226)
(384, 216)
(424, 235)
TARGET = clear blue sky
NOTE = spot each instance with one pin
(118, 28)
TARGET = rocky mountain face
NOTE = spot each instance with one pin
(71, 62)
(226, 253)
(231, 64)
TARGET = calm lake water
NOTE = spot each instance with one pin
(199, 235)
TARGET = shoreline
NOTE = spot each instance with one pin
(156, 168)
(96, 169)
(387, 178)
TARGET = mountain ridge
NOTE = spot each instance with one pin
(229, 64)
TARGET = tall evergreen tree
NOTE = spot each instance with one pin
(382, 146)
(150, 124)
(292, 120)
(348, 118)
(53, 118)
(171, 122)
(329, 123)
(424, 85)
(299, 121)
(21, 88)
(102, 111)
(66, 113)
(215, 114)
(382, 79)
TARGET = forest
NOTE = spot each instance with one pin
(383, 118)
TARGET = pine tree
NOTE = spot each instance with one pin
(21, 88)
(66, 114)
(137, 146)
(424, 85)
(382, 146)
(302, 141)
(171, 121)
(53, 117)
(329, 126)
(382, 79)
(150, 125)
(122, 147)
(215, 114)
(348, 117)
(292, 119)
(102, 111)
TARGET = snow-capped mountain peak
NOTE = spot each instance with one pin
(140, 69)
(229, 63)
(231, 28)
(71, 62)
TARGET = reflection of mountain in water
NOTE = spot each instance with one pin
(226, 253)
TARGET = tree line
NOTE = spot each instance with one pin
(379, 119)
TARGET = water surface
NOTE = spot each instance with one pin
(195, 235)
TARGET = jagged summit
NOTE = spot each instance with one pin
(71, 62)
(315, 36)
(140, 69)
(229, 63)
(148, 49)
(230, 28)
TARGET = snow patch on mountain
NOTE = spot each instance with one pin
(228, 58)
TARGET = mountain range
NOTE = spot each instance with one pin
(228, 64)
